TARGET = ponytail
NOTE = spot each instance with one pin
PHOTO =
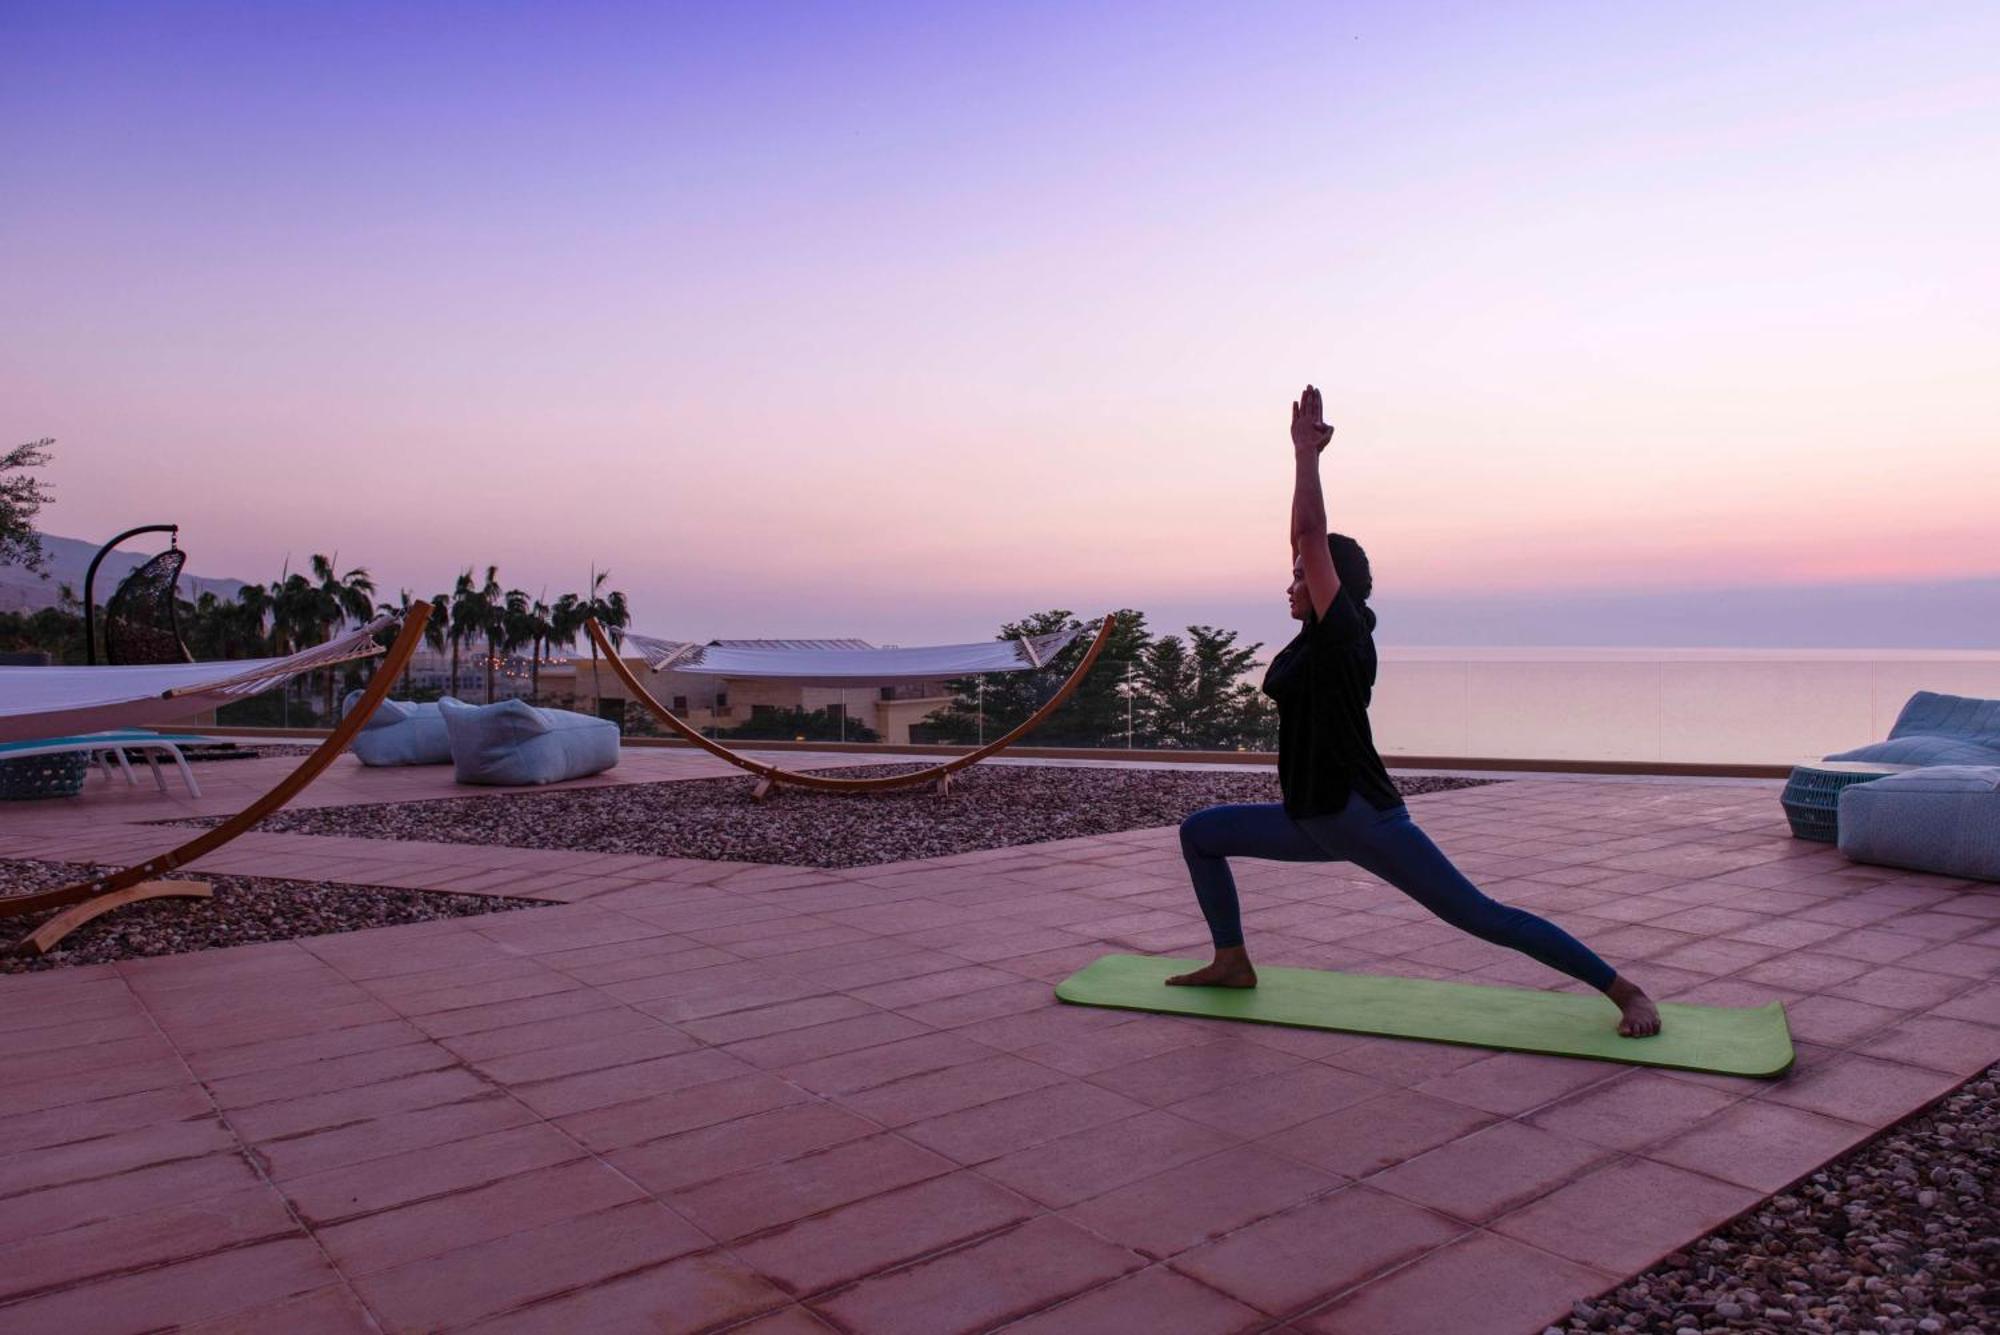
(1357, 581)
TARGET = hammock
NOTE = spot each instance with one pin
(837, 664)
(121, 696)
(847, 663)
(38, 702)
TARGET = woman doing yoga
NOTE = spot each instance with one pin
(1340, 804)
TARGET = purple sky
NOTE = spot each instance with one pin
(896, 320)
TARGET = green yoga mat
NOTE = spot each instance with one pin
(1724, 1040)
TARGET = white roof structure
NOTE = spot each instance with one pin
(813, 645)
(42, 702)
(847, 662)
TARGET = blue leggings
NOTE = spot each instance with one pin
(1386, 843)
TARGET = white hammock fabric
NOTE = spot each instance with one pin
(815, 666)
(39, 702)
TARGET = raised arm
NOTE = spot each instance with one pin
(1310, 434)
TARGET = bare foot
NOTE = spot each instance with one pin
(1231, 969)
(1638, 1016)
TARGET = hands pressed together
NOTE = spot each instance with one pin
(1309, 428)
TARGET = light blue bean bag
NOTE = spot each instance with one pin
(1943, 819)
(1936, 729)
(512, 742)
(401, 732)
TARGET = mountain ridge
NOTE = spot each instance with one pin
(22, 590)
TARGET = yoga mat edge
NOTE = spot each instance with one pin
(1746, 1041)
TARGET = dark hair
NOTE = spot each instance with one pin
(1356, 580)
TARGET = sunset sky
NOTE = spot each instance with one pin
(896, 320)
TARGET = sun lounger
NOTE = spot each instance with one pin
(108, 748)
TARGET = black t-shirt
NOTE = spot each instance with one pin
(1322, 682)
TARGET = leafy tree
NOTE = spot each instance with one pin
(21, 499)
(1163, 685)
(56, 631)
(203, 625)
(1094, 716)
(1191, 693)
(1186, 692)
(218, 628)
(1258, 719)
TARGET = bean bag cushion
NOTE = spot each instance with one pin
(401, 732)
(1943, 819)
(1936, 729)
(512, 742)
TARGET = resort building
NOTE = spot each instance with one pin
(896, 714)
(430, 674)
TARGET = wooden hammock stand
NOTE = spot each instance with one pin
(102, 894)
(769, 777)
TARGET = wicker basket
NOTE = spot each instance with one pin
(31, 777)
(1812, 800)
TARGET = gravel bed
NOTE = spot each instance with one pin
(243, 909)
(1899, 1235)
(993, 806)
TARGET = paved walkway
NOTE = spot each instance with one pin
(708, 1095)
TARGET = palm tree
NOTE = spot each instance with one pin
(565, 624)
(337, 600)
(610, 612)
(464, 618)
(566, 621)
(530, 623)
(345, 598)
(491, 622)
(252, 609)
(437, 631)
(401, 609)
(247, 618)
(294, 614)
(289, 604)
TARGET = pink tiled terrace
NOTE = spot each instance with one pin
(704, 1096)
